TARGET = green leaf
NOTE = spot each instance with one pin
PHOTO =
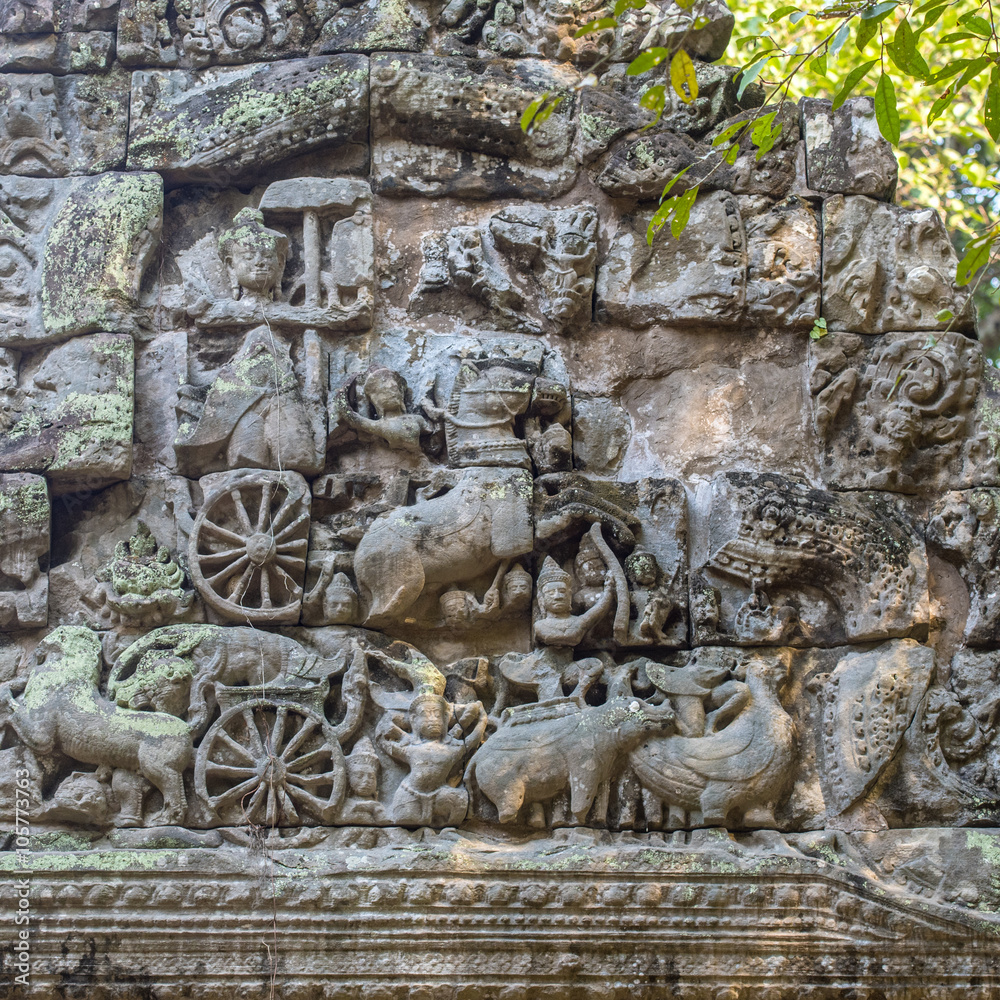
(977, 255)
(683, 211)
(867, 30)
(991, 113)
(660, 216)
(701, 22)
(654, 99)
(838, 39)
(932, 16)
(732, 154)
(673, 180)
(599, 25)
(944, 315)
(782, 12)
(798, 16)
(971, 67)
(939, 105)
(728, 132)
(879, 11)
(903, 51)
(886, 113)
(818, 65)
(762, 127)
(531, 110)
(977, 24)
(819, 330)
(767, 143)
(853, 79)
(623, 5)
(748, 76)
(685, 4)
(647, 60)
(682, 77)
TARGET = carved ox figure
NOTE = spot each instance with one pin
(530, 762)
(61, 709)
(445, 539)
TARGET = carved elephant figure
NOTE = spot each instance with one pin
(445, 539)
(739, 772)
(530, 762)
(61, 709)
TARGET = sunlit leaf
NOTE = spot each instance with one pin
(886, 112)
(682, 212)
(991, 112)
(647, 60)
(682, 77)
(600, 24)
(623, 5)
(819, 330)
(748, 76)
(851, 81)
(732, 154)
(879, 11)
(976, 256)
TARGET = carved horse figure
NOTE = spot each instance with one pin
(455, 536)
(61, 709)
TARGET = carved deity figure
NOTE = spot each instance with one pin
(652, 605)
(433, 750)
(254, 256)
(253, 416)
(556, 625)
(363, 770)
(508, 596)
(385, 392)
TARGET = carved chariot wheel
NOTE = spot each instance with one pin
(269, 762)
(247, 553)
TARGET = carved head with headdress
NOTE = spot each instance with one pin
(554, 589)
(386, 391)
(254, 255)
(363, 767)
(429, 714)
(340, 602)
(589, 563)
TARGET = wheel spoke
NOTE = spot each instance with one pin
(251, 806)
(235, 793)
(241, 585)
(228, 571)
(266, 492)
(294, 590)
(285, 511)
(278, 733)
(229, 771)
(211, 528)
(290, 562)
(253, 733)
(288, 811)
(307, 759)
(265, 588)
(233, 554)
(295, 545)
(289, 529)
(224, 737)
(241, 512)
(309, 781)
(307, 799)
(298, 739)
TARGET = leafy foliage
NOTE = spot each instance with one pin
(932, 68)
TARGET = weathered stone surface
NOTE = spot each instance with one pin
(24, 17)
(70, 52)
(845, 152)
(69, 412)
(532, 268)
(191, 125)
(96, 250)
(699, 278)
(906, 412)
(640, 166)
(888, 268)
(24, 551)
(453, 127)
(785, 564)
(55, 126)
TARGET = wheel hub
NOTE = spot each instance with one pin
(273, 771)
(260, 548)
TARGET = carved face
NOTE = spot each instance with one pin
(642, 570)
(556, 598)
(427, 719)
(339, 607)
(589, 569)
(385, 395)
(517, 589)
(363, 775)
(255, 266)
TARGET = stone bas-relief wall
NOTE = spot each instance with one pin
(414, 583)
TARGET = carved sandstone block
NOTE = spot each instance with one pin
(888, 268)
(71, 52)
(74, 254)
(531, 268)
(24, 551)
(452, 127)
(787, 564)
(69, 413)
(55, 126)
(699, 278)
(845, 153)
(907, 411)
(189, 125)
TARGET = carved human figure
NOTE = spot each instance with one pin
(254, 415)
(508, 596)
(556, 625)
(254, 256)
(434, 752)
(652, 605)
(385, 392)
(363, 770)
